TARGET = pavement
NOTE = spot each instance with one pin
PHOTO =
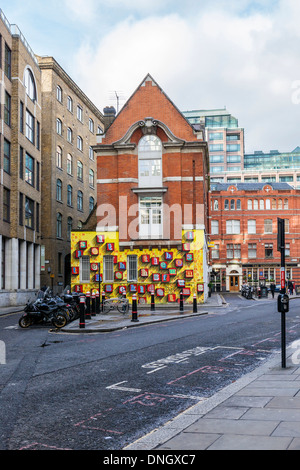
(260, 411)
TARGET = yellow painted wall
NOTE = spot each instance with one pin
(195, 248)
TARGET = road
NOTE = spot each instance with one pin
(103, 391)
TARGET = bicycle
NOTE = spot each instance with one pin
(119, 303)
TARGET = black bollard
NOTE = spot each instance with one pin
(93, 312)
(97, 302)
(134, 309)
(81, 310)
(181, 302)
(195, 304)
(88, 306)
(152, 302)
(102, 301)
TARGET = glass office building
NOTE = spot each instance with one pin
(225, 140)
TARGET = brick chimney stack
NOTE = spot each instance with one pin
(109, 114)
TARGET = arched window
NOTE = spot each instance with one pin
(274, 204)
(69, 228)
(91, 178)
(79, 170)
(91, 204)
(286, 204)
(58, 225)
(59, 93)
(261, 204)
(232, 204)
(226, 204)
(255, 204)
(150, 161)
(69, 164)
(80, 200)
(238, 204)
(79, 143)
(69, 195)
(58, 126)
(58, 190)
(30, 86)
(249, 204)
(58, 156)
(279, 203)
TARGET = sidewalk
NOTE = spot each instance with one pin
(261, 411)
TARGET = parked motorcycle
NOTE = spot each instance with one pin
(45, 309)
(247, 291)
(71, 299)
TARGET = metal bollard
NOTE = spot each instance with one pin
(97, 301)
(152, 302)
(81, 309)
(102, 301)
(134, 309)
(195, 310)
(181, 302)
(93, 312)
(88, 306)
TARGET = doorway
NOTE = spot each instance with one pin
(234, 285)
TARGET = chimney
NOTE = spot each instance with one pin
(109, 114)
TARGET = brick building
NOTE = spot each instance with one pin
(243, 232)
(152, 188)
(20, 147)
(70, 125)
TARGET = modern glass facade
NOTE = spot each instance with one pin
(225, 139)
(273, 160)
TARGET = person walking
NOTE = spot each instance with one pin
(272, 287)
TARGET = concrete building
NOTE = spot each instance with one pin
(225, 140)
(263, 167)
(152, 196)
(243, 233)
(20, 147)
(70, 122)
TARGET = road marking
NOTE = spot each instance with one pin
(139, 390)
(125, 389)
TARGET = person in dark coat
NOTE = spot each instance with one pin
(272, 287)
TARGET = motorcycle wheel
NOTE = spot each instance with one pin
(24, 322)
(59, 321)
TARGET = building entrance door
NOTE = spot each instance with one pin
(234, 284)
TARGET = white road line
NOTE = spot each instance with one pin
(125, 389)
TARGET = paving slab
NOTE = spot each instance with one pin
(233, 426)
(238, 442)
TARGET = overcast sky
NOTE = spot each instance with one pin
(205, 54)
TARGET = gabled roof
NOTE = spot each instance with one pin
(158, 109)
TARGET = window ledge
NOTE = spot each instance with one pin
(149, 190)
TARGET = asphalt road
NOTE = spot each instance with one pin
(103, 391)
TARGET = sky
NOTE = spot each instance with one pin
(238, 54)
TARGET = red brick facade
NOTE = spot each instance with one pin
(152, 204)
(243, 230)
(185, 160)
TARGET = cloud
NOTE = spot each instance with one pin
(83, 10)
(246, 61)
